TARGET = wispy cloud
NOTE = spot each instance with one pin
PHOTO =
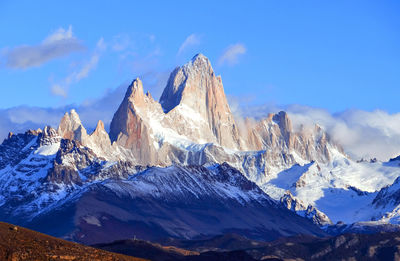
(60, 43)
(61, 88)
(231, 54)
(121, 42)
(58, 90)
(191, 40)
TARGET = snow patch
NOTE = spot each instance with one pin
(92, 220)
(48, 150)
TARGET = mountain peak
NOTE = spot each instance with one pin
(195, 87)
(199, 56)
(71, 126)
(135, 91)
(282, 119)
(200, 60)
(198, 64)
(99, 127)
(189, 82)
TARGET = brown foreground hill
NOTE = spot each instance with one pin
(18, 243)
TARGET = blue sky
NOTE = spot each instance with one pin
(336, 55)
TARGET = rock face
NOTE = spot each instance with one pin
(71, 128)
(130, 125)
(276, 133)
(194, 87)
(193, 110)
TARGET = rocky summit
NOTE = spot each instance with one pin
(183, 167)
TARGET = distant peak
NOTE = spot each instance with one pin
(199, 60)
(187, 78)
(135, 90)
(100, 126)
(199, 56)
(282, 119)
(136, 85)
(280, 116)
(69, 124)
(99, 129)
(73, 116)
(137, 80)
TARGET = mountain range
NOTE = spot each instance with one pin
(185, 167)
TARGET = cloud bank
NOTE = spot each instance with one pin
(362, 134)
(20, 119)
(61, 43)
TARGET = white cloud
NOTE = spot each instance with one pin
(84, 72)
(61, 88)
(59, 35)
(231, 54)
(191, 40)
(61, 43)
(58, 90)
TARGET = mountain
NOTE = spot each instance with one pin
(76, 195)
(183, 167)
(380, 246)
(193, 124)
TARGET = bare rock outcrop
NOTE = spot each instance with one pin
(71, 127)
(194, 87)
(276, 133)
(130, 127)
(310, 212)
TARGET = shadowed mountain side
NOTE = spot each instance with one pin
(380, 246)
(182, 202)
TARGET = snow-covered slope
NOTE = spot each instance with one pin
(344, 190)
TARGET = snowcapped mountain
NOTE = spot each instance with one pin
(61, 187)
(183, 167)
